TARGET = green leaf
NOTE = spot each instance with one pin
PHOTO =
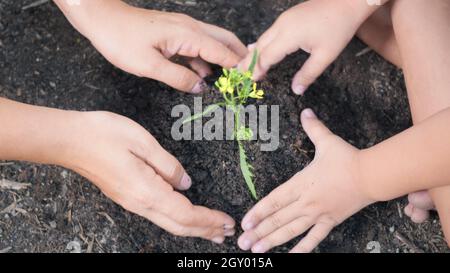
(209, 109)
(251, 68)
(246, 171)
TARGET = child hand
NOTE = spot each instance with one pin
(131, 168)
(320, 27)
(321, 196)
(142, 41)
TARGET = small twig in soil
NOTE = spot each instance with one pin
(13, 185)
(5, 250)
(106, 215)
(91, 245)
(399, 209)
(9, 208)
(6, 163)
(363, 52)
(35, 4)
(407, 242)
(99, 244)
(189, 3)
(92, 86)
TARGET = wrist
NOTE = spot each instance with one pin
(363, 9)
(367, 178)
(36, 134)
(83, 14)
(361, 181)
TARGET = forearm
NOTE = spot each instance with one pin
(416, 159)
(35, 134)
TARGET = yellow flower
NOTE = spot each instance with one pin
(256, 94)
(230, 88)
(224, 85)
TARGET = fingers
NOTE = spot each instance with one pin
(421, 200)
(174, 75)
(316, 235)
(275, 201)
(269, 225)
(152, 197)
(216, 235)
(274, 46)
(200, 67)
(215, 52)
(180, 209)
(417, 215)
(271, 50)
(226, 37)
(442, 202)
(282, 235)
(419, 205)
(313, 127)
(314, 66)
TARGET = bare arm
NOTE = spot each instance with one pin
(416, 159)
(37, 134)
(118, 156)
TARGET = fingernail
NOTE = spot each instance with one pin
(186, 182)
(259, 248)
(229, 232)
(199, 87)
(299, 89)
(250, 47)
(245, 244)
(218, 240)
(308, 113)
(247, 226)
(228, 226)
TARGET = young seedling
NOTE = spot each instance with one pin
(236, 88)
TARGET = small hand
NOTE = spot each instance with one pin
(320, 27)
(131, 168)
(318, 198)
(142, 41)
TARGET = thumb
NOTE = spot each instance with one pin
(313, 127)
(165, 164)
(310, 71)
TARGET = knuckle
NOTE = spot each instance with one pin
(184, 216)
(209, 233)
(274, 204)
(184, 80)
(184, 20)
(181, 231)
(128, 205)
(291, 231)
(275, 221)
(144, 201)
(285, 17)
(257, 215)
(175, 171)
(150, 70)
(314, 238)
(301, 248)
(258, 234)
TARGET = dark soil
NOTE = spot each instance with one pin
(44, 61)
